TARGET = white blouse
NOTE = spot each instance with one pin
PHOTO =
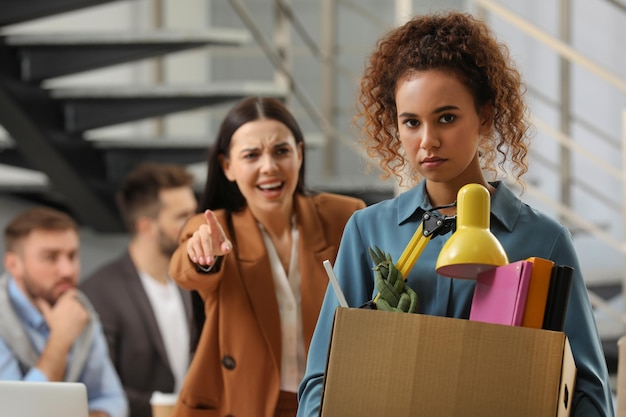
(287, 286)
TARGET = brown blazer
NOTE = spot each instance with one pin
(134, 340)
(236, 368)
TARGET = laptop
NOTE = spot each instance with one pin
(39, 399)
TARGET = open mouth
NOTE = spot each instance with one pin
(271, 186)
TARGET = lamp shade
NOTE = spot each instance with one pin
(472, 248)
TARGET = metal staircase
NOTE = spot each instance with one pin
(18, 11)
(48, 126)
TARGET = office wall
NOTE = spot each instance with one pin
(598, 29)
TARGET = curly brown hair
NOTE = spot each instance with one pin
(460, 44)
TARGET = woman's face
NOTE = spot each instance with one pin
(439, 127)
(264, 160)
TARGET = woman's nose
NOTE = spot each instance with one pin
(268, 163)
(429, 137)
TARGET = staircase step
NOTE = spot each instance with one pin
(120, 155)
(88, 108)
(22, 180)
(18, 11)
(150, 143)
(44, 56)
(156, 144)
(313, 140)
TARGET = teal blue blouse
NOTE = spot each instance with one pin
(522, 231)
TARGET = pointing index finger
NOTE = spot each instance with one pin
(216, 230)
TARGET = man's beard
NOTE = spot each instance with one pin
(35, 291)
(167, 246)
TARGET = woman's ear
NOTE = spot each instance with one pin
(300, 152)
(225, 164)
(486, 119)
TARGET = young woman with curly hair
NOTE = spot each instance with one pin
(442, 101)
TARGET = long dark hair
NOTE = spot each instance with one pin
(219, 192)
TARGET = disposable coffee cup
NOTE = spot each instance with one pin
(162, 404)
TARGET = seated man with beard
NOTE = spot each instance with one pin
(49, 331)
(147, 318)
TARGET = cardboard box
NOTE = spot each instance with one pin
(395, 364)
(621, 377)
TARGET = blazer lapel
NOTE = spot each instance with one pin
(142, 304)
(256, 278)
(314, 250)
(256, 272)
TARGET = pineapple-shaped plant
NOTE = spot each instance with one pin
(393, 293)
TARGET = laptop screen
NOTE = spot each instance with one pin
(49, 399)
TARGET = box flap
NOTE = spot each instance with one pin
(621, 376)
(568, 382)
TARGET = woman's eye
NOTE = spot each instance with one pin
(412, 123)
(447, 118)
(282, 151)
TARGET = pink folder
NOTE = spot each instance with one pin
(500, 294)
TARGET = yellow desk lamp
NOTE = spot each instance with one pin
(471, 249)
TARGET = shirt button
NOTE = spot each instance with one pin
(228, 362)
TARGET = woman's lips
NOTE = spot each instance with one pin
(432, 162)
(270, 185)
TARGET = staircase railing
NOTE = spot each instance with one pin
(327, 128)
(567, 52)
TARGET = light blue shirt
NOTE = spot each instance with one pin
(104, 389)
(522, 231)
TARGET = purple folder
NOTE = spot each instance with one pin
(500, 294)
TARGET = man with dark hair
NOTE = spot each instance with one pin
(147, 318)
(49, 330)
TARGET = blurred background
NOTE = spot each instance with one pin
(89, 88)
